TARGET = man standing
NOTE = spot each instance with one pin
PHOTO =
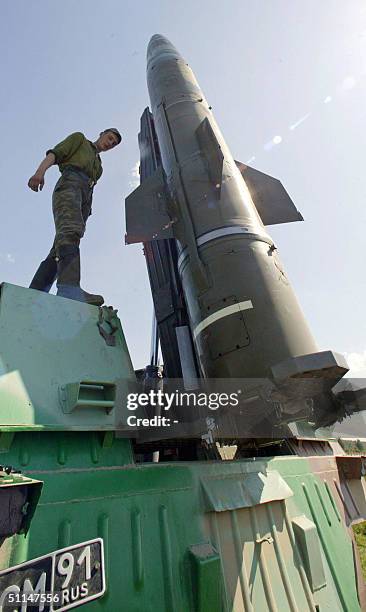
(80, 165)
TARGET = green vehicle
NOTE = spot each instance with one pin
(116, 496)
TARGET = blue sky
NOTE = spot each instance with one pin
(287, 83)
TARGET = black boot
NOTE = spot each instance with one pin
(45, 275)
(68, 277)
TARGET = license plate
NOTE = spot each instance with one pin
(64, 579)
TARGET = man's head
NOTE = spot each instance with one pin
(108, 139)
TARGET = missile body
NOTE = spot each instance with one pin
(244, 315)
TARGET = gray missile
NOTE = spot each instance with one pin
(244, 317)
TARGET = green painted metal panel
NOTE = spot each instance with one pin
(206, 578)
(312, 497)
(153, 517)
(48, 346)
(228, 493)
(307, 539)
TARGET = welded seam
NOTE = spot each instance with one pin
(223, 233)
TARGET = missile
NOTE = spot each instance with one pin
(244, 317)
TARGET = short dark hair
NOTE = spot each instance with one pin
(114, 131)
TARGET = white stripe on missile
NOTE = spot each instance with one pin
(219, 314)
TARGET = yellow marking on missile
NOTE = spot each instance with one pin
(219, 314)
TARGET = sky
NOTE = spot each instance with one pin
(287, 83)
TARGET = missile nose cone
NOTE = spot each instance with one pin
(159, 45)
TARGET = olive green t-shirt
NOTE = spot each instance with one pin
(76, 150)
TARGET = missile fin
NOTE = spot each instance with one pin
(271, 199)
(211, 151)
(147, 216)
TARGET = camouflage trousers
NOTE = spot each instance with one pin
(71, 205)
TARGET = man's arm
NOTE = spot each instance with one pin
(37, 180)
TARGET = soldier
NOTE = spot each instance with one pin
(80, 165)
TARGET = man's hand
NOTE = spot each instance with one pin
(35, 181)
